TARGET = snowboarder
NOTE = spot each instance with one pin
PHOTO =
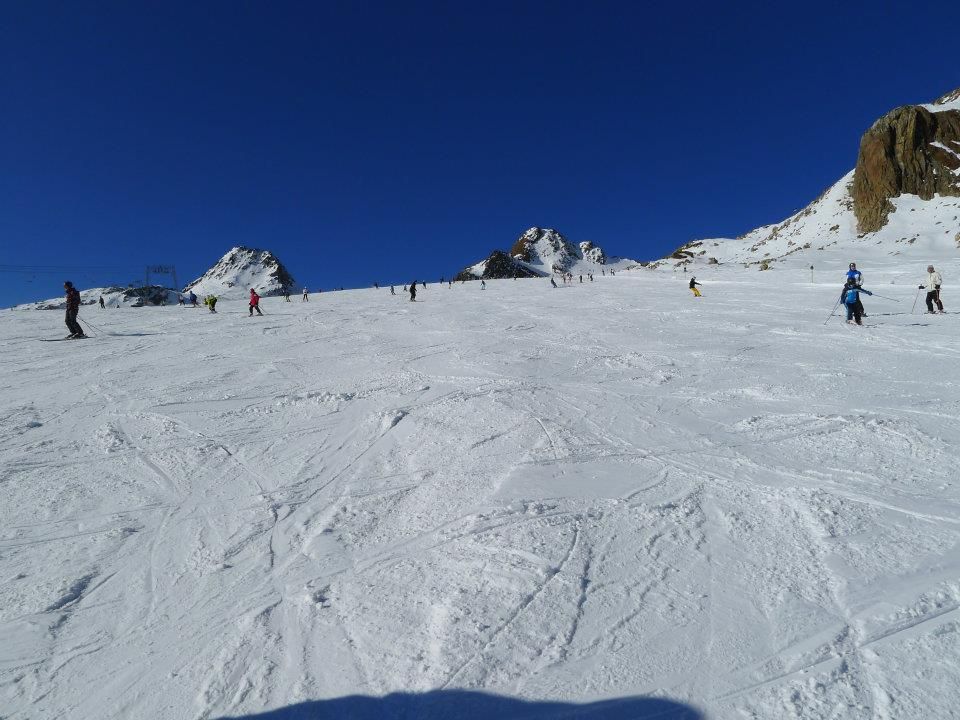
(211, 302)
(934, 280)
(254, 302)
(103, 305)
(850, 297)
(413, 291)
(392, 291)
(553, 282)
(693, 286)
(306, 298)
(73, 307)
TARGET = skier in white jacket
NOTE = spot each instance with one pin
(933, 289)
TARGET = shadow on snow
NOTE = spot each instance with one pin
(466, 705)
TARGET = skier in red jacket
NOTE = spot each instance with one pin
(254, 302)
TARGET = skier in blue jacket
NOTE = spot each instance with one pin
(850, 297)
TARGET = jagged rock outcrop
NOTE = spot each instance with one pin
(909, 150)
(499, 266)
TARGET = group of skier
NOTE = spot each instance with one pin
(849, 297)
(853, 287)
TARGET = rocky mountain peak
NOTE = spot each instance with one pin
(910, 150)
(244, 268)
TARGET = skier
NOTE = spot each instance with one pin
(180, 300)
(483, 284)
(693, 286)
(103, 305)
(211, 302)
(254, 302)
(73, 307)
(854, 274)
(305, 296)
(392, 291)
(424, 286)
(376, 286)
(286, 294)
(193, 298)
(413, 291)
(933, 289)
(581, 279)
(590, 275)
(553, 282)
(857, 277)
(850, 297)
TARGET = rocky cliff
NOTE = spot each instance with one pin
(911, 150)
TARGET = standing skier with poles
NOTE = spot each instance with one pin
(73, 307)
(413, 291)
(855, 276)
(934, 280)
(850, 297)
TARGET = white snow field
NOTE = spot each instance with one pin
(571, 501)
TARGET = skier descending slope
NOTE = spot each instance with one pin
(934, 280)
(413, 291)
(254, 302)
(73, 307)
(850, 297)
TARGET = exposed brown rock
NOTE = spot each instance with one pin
(896, 156)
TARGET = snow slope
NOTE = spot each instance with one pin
(604, 491)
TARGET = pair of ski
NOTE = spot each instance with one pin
(68, 337)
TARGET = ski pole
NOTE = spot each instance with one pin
(92, 327)
(888, 298)
(915, 301)
(832, 312)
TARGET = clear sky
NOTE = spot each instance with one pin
(377, 141)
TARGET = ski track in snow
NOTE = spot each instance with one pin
(610, 491)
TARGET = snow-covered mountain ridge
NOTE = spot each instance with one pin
(232, 276)
(539, 252)
(902, 199)
(241, 269)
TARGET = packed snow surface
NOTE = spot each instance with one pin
(603, 492)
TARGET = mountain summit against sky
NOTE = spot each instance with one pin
(901, 199)
(241, 269)
(539, 252)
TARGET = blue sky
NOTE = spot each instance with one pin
(369, 141)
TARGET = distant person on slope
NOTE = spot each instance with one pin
(413, 291)
(211, 302)
(694, 285)
(193, 298)
(850, 297)
(305, 296)
(103, 305)
(483, 284)
(933, 289)
(254, 302)
(553, 282)
(392, 291)
(73, 307)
